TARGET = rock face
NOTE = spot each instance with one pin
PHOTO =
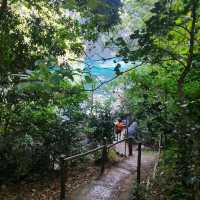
(116, 182)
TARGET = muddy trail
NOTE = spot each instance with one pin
(116, 182)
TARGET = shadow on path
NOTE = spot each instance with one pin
(116, 182)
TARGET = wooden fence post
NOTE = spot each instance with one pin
(126, 135)
(130, 146)
(62, 178)
(139, 163)
(103, 158)
(125, 148)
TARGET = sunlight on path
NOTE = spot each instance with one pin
(116, 182)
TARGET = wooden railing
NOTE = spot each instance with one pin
(104, 148)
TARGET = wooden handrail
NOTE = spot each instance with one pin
(104, 149)
(91, 151)
(118, 142)
(83, 154)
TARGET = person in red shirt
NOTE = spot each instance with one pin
(119, 126)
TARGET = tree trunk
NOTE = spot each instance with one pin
(186, 70)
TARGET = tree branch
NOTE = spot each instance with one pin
(183, 27)
(174, 57)
(188, 66)
(115, 77)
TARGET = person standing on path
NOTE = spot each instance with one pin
(132, 133)
(119, 127)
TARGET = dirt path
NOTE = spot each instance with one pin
(116, 182)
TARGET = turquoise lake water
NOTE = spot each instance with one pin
(105, 69)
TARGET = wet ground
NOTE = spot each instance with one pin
(117, 181)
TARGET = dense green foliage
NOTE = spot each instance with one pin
(101, 124)
(39, 121)
(164, 93)
(42, 93)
